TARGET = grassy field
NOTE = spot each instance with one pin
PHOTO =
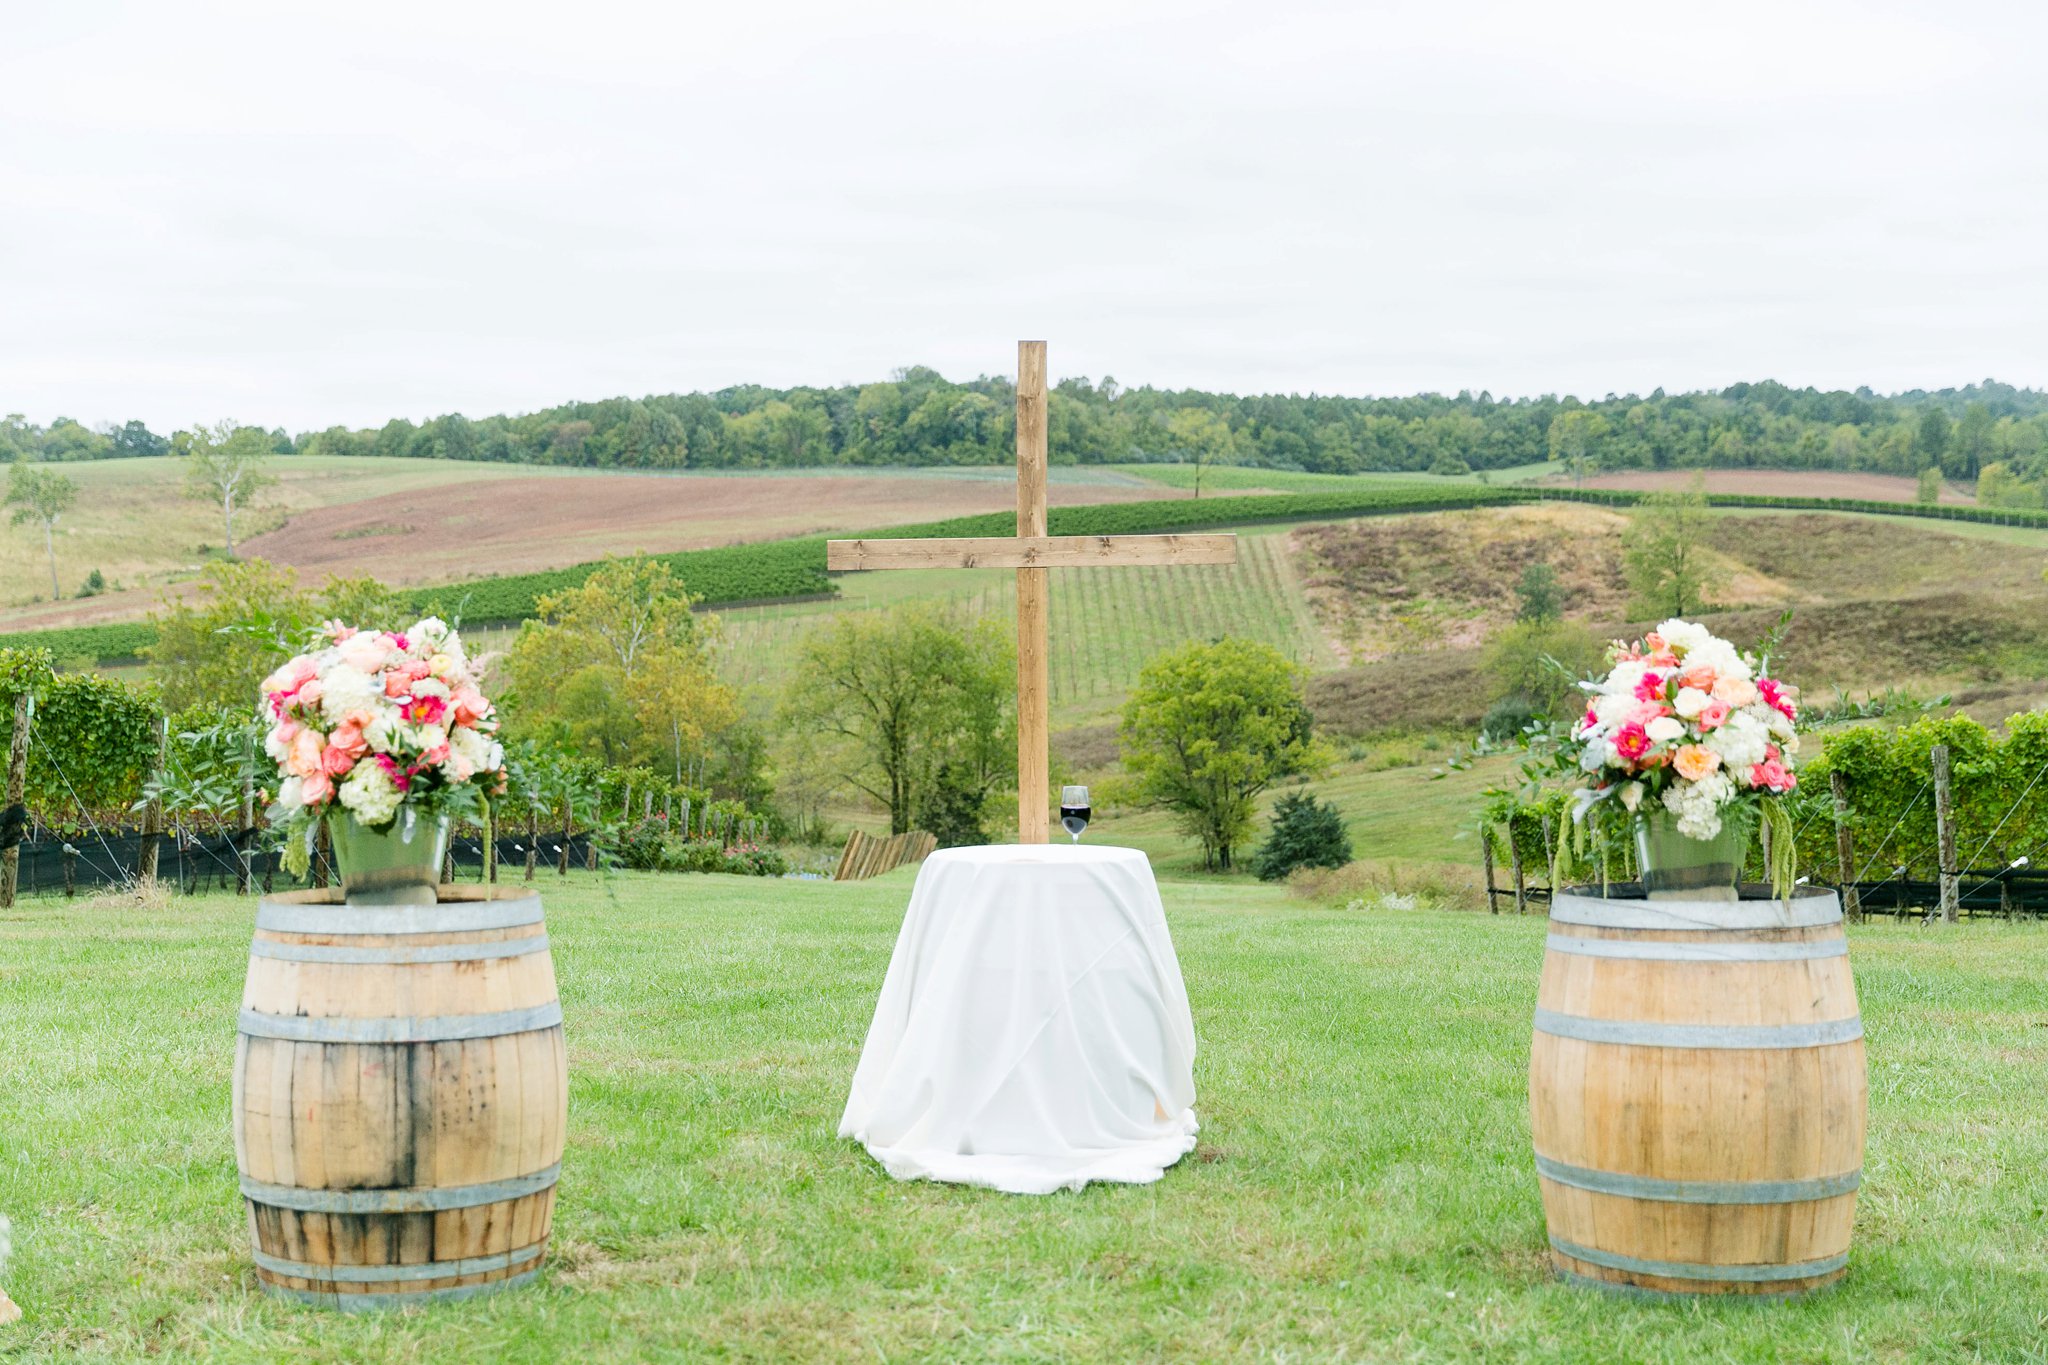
(1362, 1191)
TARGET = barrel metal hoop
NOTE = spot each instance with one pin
(1695, 1270)
(1641, 951)
(402, 957)
(456, 918)
(446, 1028)
(1622, 1289)
(1630, 1032)
(413, 1200)
(388, 1274)
(1698, 1191)
(367, 1303)
(1804, 912)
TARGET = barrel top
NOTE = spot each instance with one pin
(447, 894)
(1757, 909)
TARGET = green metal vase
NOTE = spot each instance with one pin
(397, 865)
(1678, 867)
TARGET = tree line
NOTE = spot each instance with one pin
(919, 418)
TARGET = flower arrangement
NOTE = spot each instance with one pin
(378, 723)
(1685, 722)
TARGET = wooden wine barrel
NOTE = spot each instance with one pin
(400, 1096)
(1697, 1093)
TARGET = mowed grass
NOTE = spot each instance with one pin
(1106, 624)
(1363, 1190)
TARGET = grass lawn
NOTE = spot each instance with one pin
(1363, 1190)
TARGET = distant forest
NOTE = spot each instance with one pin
(918, 417)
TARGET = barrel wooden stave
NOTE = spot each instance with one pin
(370, 1165)
(1734, 1166)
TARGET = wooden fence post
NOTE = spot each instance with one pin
(1549, 857)
(568, 833)
(1521, 880)
(1486, 857)
(153, 813)
(1845, 850)
(17, 789)
(1945, 831)
(491, 844)
(532, 842)
(247, 834)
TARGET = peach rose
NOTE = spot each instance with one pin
(1694, 762)
(315, 789)
(304, 760)
(1737, 692)
(348, 738)
(1701, 676)
(470, 706)
(336, 761)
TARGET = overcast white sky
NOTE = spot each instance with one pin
(293, 218)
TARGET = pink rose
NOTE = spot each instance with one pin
(316, 789)
(311, 693)
(365, 653)
(1698, 675)
(435, 757)
(287, 731)
(1713, 715)
(396, 684)
(1776, 697)
(348, 738)
(336, 761)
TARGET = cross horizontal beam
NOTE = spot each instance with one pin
(1029, 552)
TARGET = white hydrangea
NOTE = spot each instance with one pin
(1740, 741)
(347, 689)
(431, 635)
(370, 795)
(1698, 804)
(1684, 636)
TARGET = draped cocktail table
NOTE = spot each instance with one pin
(1033, 1031)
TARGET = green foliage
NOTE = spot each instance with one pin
(1539, 597)
(618, 667)
(92, 740)
(252, 618)
(1541, 664)
(1305, 833)
(954, 808)
(888, 701)
(1928, 489)
(1207, 729)
(1507, 718)
(1664, 554)
(95, 583)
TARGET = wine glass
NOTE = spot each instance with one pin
(1074, 810)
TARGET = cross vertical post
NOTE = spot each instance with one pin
(1034, 775)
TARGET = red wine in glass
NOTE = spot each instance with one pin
(1074, 810)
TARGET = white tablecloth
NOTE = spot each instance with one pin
(1033, 1031)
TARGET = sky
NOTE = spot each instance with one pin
(307, 215)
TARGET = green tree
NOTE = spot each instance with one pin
(1664, 553)
(250, 618)
(41, 495)
(1540, 662)
(620, 667)
(1201, 436)
(888, 700)
(1572, 436)
(1211, 726)
(1306, 833)
(1930, 439)
(1538, 595)
(1929, 489)
(225, 464)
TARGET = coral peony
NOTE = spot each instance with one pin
(1695, 762)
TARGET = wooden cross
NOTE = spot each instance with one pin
(1031, 552)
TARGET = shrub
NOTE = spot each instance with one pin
(1306, 833)
(1507, 718)
(643, 844)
